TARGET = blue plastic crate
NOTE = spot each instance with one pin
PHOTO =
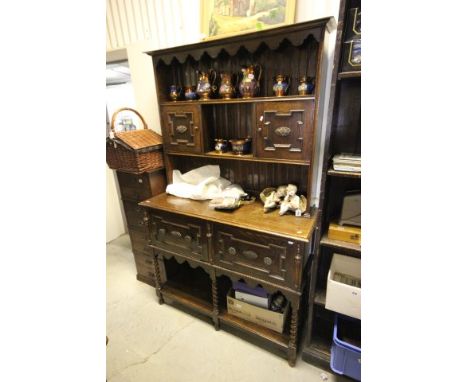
(346, 357)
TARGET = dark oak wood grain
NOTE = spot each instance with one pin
(250, 216)
(133, 189)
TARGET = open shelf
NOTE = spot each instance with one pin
(173, 292)
(190, 287)
(354, 74)
(247, 157)
(344, 174)
(318, 352)
(240, 100)
(279, 339)
(319, 298)
(351, 248)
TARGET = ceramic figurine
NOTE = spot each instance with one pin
(284, 198)
(272, 197)
(293, 202)
(205, 85)
(250, 83)
(281, 85)
(190, 93)
(305, 86)
(174, 92)
(226, 89)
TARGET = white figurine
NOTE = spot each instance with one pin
(292, 202)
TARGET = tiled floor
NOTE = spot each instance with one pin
(152, 342)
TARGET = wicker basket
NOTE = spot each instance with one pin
(134, 151)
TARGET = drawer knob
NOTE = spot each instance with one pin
(232, 251)
(176, 234)
(250, 254)
(140, 180)
(195, 128)
(267, 260)
(188, 238)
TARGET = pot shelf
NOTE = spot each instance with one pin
(246, 157)
(216, 101)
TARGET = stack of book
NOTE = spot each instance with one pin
(347, 162)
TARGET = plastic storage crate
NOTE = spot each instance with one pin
(346, 348)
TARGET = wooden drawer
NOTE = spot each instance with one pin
(134, 215)
(266, 257)
(285, 130)
(140, 187)
(139, 241)
(179, 234)
(182, 130)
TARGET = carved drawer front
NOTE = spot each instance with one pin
(134, 215)
(263, 256)
(285, 129)
(182, 130)
(134, 187)
(179, 234)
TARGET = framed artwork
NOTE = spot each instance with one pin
(223, 18)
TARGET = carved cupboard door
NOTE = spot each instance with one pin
(181, 130)
(285, 130)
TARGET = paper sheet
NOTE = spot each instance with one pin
(202, 183)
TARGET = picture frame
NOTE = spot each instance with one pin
(224, 18)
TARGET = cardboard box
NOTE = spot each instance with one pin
(342, 294)
(264, 317)
(344, 233)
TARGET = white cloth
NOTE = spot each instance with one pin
(202, 183)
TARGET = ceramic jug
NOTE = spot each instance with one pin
(226, 89)
(174, 92)
(250, 83)
(305, 85)
(281, 85)
(205, 85)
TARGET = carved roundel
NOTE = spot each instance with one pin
(267, 261)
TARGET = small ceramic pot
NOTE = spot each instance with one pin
(190, 93)
(221, 145)
(305, 85)
(241, 146)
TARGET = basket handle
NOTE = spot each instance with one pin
(145, 126)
